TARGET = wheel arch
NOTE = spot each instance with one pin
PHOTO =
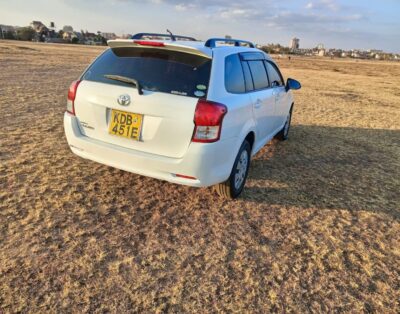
(251, 137)
(249, 133)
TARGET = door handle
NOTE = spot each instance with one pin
(258, 104)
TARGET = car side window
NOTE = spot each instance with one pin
(247, 77)
(259, 74)
(234, 79)
(274, 75)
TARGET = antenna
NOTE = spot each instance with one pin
(172, 35)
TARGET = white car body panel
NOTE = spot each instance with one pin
(165, 117)
(208, 163)
(165, 148)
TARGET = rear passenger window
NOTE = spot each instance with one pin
(274, 75)
(260, 78)
(234, 80)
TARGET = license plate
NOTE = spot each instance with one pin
(126, 124)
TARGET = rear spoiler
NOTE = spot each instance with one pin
(159, 44)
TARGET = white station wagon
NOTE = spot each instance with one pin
(180, 110)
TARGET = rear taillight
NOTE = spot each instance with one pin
(71, 97)
(149, 43)
(208, 121)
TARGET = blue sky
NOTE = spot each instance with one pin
(336, 23)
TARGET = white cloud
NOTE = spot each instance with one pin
(324, 5)
(239, 13)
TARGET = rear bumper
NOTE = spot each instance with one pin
(208, 163)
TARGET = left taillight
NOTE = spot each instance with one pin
(71, 97)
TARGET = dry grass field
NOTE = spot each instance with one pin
(316, 230)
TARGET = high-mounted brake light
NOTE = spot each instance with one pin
(208, 121)
(71, 97)
(149, 43)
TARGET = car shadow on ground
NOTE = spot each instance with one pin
(329, 167)
(318, 167)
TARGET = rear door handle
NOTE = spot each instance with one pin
(258, 104)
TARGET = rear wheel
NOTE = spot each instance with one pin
(231, 188)
(283, 134)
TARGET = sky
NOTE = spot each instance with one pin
(352, 24)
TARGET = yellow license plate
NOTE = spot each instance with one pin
(126, 124)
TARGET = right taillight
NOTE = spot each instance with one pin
(71, 97)
(208, 121)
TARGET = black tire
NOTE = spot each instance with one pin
(283, 134)
(228, 189)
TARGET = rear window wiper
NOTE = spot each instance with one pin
(125, 80)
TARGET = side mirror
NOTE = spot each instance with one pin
(292, 84)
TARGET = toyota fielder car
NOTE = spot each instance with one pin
(180, 110)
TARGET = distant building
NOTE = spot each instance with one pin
(69, 35)
(374, 51)
(39, 27)
(109, 36)
(79, 36)
(8, 31)
(68, 28)
(228, 37)
(126, 36)
(359, 54)
(320, 46)
(42, 32)
(8, 28)
(294, 44)
(89, 36)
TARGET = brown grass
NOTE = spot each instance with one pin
(317, 228)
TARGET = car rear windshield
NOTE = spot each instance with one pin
(155, 69)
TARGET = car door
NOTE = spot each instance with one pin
(279, 93)
(261, 95)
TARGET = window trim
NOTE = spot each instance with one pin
(277, 70)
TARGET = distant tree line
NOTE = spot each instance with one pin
(29, 34)
(22, 33)
(275, 48)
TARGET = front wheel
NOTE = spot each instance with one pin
(231, 188)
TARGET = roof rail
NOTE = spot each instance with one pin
(237, 42)
(170, 36)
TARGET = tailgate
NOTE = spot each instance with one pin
(171, 83)
(167, 125)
